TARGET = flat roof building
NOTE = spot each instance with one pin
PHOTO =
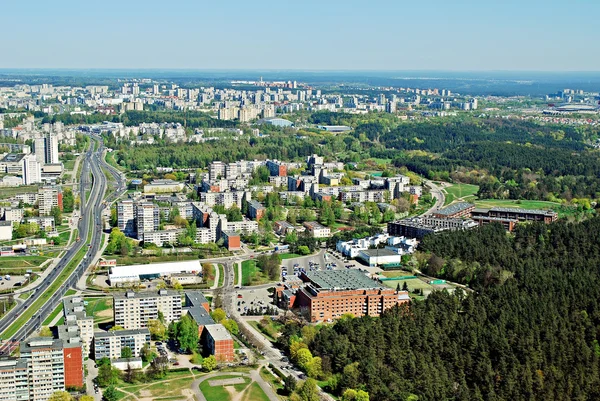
(132, 310)
(329, 294)
(455, 210)
(218, 342)
(110, 344)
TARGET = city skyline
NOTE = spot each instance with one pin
(344, 36)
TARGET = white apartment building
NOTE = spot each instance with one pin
(32, 170)
(45, 367)
(132, 310)
(109, 344)
(316, 230)
(148, 218)
(126, 216)
(49, 197)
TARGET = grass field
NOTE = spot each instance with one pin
(251, 274)
(100, 309)
(289, 256)
(248, 391)
(460, 191)
(170, 388)
(413, 284)
(210, 280)
(21, 262)
(235, 273)
(53, 315)
(69, 164)
(524, 204)
(143, 260)
(221, 275)
(12, 191)
(396, 273)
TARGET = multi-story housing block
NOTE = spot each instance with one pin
(132, 310)
(110, 344)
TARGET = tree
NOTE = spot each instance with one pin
(187, 333)
(289, 384)
(60, 396)
(218, 315)
(106, 374)
(110, 394)
(146, 353)
(46, 332)
(307, 391)
(116, 328)
(314, 368)
(86, 398)
(158, 330)
(126, 352)
(303, 357)
(303, 250)
(57, 214)
(209, 364)
(231, 326)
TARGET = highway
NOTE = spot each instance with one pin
(91, 213)
(438, 194)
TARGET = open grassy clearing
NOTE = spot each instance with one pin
(22, 262)
(396, 273)
(289, 256)
(524, 204)
(251, 274)
(9, 192)
(53, 315)
(460, 191)
(413, 284)
(246, 391)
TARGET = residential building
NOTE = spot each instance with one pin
(126, 216)
(418, 227)
(277, 168)
(232, 240)
(110, 344)
(148, 218)
(32, 170)
(48, 198)
(45, 367)
(316, 230)
(132, 310)
(5, 230)
(218, 342)
(546, 216)
(256, 210)
(75, 317)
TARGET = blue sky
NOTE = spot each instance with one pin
(458, 35)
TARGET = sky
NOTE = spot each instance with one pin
(394, 35)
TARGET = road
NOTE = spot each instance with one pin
(91, 212)
(438, 194)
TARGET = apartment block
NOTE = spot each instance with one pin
(45, 367)
(49, 197)
(126, 216)
(76, 321)
(277, 168)
(110, 344)
(132, 310)
(218, 342)
(316, 230)
(256, 210)
(148, 218)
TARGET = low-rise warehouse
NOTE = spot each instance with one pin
(120, 275)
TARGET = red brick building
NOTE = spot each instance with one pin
(218, 342)
(330, 294)
(232, 240)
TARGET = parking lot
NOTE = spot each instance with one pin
(253, 298)
(324, 260)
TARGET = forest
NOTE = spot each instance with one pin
(507, 158)
(532, 335)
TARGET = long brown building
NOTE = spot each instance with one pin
(329, 294)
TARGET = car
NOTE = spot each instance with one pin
(175, 363)
(158, 343)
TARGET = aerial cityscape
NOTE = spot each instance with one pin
(237, 211)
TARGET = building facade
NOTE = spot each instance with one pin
(132, 310)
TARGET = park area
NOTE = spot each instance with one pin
(251, 274)
(465, 192)
(398, 277)
(175, 386)
(232, 388)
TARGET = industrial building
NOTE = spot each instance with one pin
(121, 275)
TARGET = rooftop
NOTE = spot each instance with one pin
(379, 252)
(341, 279)
(454, 208)
(519, 210)
(218, 332)
(146, 294)
(121, 333)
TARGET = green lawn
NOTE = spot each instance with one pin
(69, 164)
(21, 262)
(219, 393)
(289, 256)
(458, 191)
(524, 204)
(211, 281)
(251, 274)
(95, 306)
(53, 315)
(70, 292)
(413, 283)
(24, 295)
(9, 192)
(235, 273)
(221, 275)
